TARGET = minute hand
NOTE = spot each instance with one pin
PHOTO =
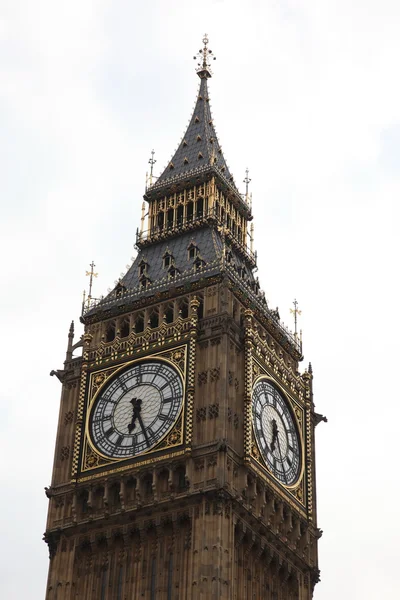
(280, 454)
(144, 430)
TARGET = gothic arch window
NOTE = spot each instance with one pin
(98, 497)
(199, 207)
(172, 272)
(147, 485)
(200, 310)
(110, 331)
(168, 259)
(189, 211)
(169, 313)
(154, 318)
(139, 323)
(144, 281)
(114, 497)
(199, 263)
(170, 218)
(83, 502)
(142, 267)
(124, 328)
(163, 478)
(192, 250)
(180, 214)
(119, 290)
(180, 478)
(184, 308)
(160, 220)
(130, 489)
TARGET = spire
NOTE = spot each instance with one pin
(199, 149)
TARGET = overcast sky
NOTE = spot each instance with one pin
(306, 94)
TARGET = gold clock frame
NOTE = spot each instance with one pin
(297, 489)
(91, 458)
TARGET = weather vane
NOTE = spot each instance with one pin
(91, 274)
(204, 56)
(295, 311)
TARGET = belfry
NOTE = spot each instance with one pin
(184, 465)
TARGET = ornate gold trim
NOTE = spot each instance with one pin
(91, 458)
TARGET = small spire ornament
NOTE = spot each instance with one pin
(295, 312)
(247, 180)
(204, 57)
(152, 162)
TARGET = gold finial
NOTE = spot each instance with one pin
(247, 180)
(90, 274)
(152, 162)
(295, 311)
(204, 56)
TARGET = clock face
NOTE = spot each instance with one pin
(276, 432)
(133, 412)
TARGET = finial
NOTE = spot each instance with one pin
(87, 299)
(252, 238)
(246, 180)
(295, 311)
(70, 341)
(152, 162)
(204, 56)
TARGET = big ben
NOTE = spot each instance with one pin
(184, 465)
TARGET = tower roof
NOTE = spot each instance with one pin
(199, 147)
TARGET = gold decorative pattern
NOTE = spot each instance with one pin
(91, 459)
(297, 491)
(248, 384)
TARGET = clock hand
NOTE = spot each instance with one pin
(280, 454)
(274, 434)
(136, 406)
(144, 430)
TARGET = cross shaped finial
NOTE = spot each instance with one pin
(247, 180)
(295, 311)
(90, 274)
(204, 56)
(152, 162)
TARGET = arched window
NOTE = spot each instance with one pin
(169, 313)
(180, 214)
(124, 329)
(153, 319)
(110, 331)
(199, 207)
(139, 323)
(189, 211)
(184, 308)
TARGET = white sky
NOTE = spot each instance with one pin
(307, 95)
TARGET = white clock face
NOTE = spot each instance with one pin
(134, 411)
(276, 432)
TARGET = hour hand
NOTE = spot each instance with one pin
(274, 434)
(136, 406)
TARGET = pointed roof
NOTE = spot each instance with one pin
(199, 148)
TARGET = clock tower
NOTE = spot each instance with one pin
(184, 464)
